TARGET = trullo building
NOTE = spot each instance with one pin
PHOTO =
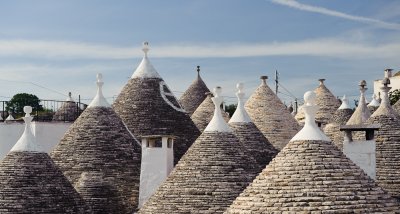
(30, 182)
(148, 107)
(194, 95)
(387, 143)
(98, 141)
(248, 133)
(271, 116)
(310, 175)
(341, 116)
(211, 174)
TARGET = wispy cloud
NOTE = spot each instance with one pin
(330, 47)
(321, 10)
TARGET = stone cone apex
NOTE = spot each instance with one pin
(310, 131)
(68, 111)
(362, 113)
(270, 115)
(10, 117)
(217, 123)
(148, 107)
(212, 173)
(249, 135)
(145, 68)
(281, 186)
(327, 103)
(99, 99)
(99, 193)
(341, 116)
(194, 95)
(30, 182)
(27, 142)
(205, 112)
(374, 105)
(387, 144)
(99, 141)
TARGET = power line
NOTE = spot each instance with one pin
(35, 84)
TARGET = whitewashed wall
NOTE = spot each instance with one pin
(47, 134)
(362, 153)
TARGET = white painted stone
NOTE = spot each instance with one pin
(310, 131)
(157, 163)
(47, 134)
(240, 115)
(345, 103)
(217, 123)
(362, 153)
(27, 142)
(145, 68)
(99, 100)
(69, 99)
(9, 118)
(374, 102)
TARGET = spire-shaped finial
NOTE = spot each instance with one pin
(264, 80)
(321, 81)
(385, 90)
(145, 48)
(99, 100)
(217, 123)
(310, 131)
(374, 102)
(198, 70)
(345, 103)
(27, 142)
(240, 115)
(70, 97)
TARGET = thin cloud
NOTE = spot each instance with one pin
(321, 10)
(339, 48)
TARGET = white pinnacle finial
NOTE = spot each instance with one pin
(374, 102)
(217, 123)
(310, 131)
(27, 142)
(69, 99)
(145, 48)
(145, 68)
(240, 115)
(99, 100)
(345, 103)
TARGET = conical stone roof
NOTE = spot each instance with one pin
(341, 116)
(362, 113)
(374, 104)
(248, 133)
(68, 111)
(211, 174)
(100, 193)
(387, 144)
(204, 113)
(194, 95)
(98, 141)
(327, 103)
(270, 116)
(148, 107)
(311, 175)
(30, 182)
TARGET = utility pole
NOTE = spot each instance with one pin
(276, 82)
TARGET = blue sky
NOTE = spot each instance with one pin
(61, 45)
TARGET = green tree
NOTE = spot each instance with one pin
(231, 109)
(18, 101)
(394, 96)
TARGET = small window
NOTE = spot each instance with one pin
(154, 142)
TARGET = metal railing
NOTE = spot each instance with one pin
(46, 110)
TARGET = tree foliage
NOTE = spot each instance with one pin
(18, 101)
(231, 109)
(394, 96)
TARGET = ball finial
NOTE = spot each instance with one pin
(217, 91)
(99, 77)
(145, 47)
(27, 109)
(310, 98)
(240, 86)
